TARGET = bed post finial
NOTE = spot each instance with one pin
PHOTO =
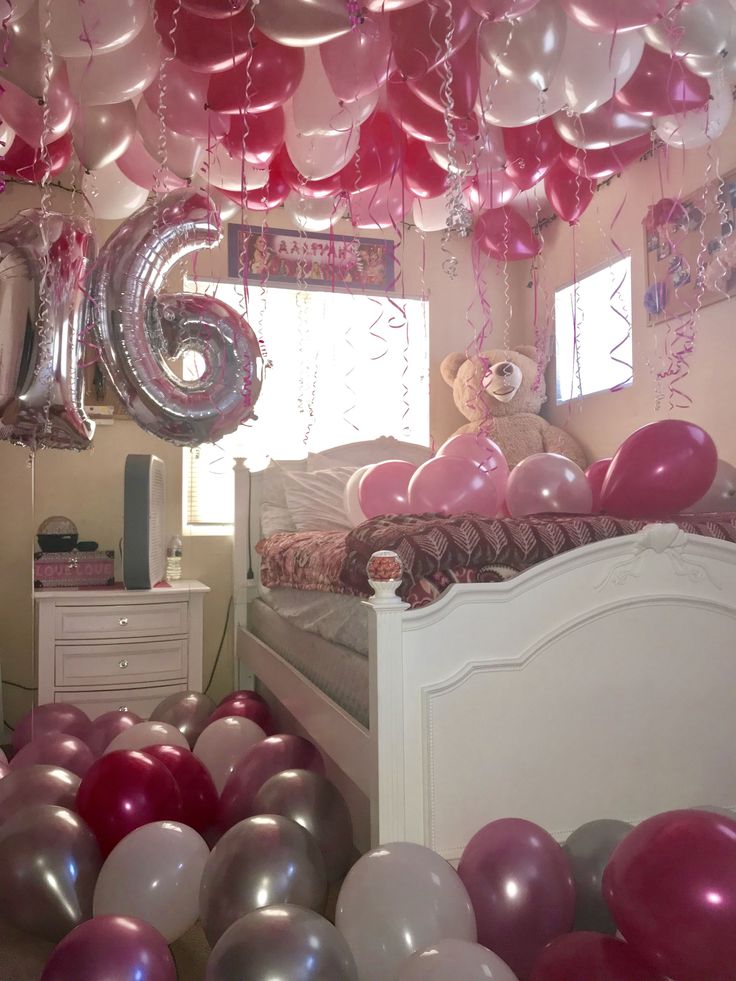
(384, 570)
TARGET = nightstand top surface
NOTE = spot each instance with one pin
(118, 592)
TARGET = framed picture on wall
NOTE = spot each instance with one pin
(691, 250)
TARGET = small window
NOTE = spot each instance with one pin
(593, 350)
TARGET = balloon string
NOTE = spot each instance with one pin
(578, 319)
(159, 183)
(243, 113)
(43, 326)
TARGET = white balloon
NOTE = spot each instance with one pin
(430, 214)
(222, 170)
(459, 959)
(112, 195)
(350, 499)
(118, 75)
(485, 153)
(314, 214)
(184, 154)
(224, 743)
(154, 874)
(513, 102)
(147, 733)
(700, 29)
(227, 208)
(318, 156)
(77, 29)
(316, 108)
(6, 137)
(700, 126)
(596, 66)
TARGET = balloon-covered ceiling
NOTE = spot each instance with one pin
(437, 111)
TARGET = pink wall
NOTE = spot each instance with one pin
(601, 421)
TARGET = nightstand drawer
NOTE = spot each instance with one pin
(106, 665)
(126, 620)
(140, 700)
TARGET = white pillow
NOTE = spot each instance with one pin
(315, 500)
(275, 519)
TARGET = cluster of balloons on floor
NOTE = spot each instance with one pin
(662, 469)
(118, 834)
(68, 305)
(378, 109)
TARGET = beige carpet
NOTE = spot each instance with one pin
(22, 957)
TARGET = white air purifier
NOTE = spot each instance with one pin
(144, 539)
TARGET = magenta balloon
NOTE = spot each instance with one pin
(384, 488)
(55, 749)
(270, 756)
(721, 495)
(547, 483)
(465, 71)
(246, 705)
(660, 469)
(453, 485)
(245, 693)
(185, 102)
(671, 887)
(662, 85)
(51, 717)
(611, 16)
(198, 794)
(106, 727)
(382, 206)
(111, 947)
(215, 9)
(521, 887)
(596, 474)
(357, 63)
(419, 34)
(584, 956)
(503, 234)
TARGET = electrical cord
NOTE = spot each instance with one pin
(16, 684)
(219, 649)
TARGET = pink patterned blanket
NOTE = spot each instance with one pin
(438, 551)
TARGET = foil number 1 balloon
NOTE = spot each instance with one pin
(43, 261)
(142, 330)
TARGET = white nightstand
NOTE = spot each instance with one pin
(105, 649)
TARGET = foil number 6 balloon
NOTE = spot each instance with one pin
(43, 260)
(142, 330)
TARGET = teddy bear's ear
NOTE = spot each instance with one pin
(451, 365)
(528, 350)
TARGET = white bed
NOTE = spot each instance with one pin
(597, 684)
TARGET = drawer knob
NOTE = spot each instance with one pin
(122, 663)
(123, 621)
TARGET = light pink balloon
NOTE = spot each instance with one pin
(140, 167)
(24, 114)
(185, 102)
(381, 207)
(453, 485)
(184, 154)
(119, 75)
(106, 727)
(490, 189)
(4, 770)
(483, 451)
(55, 749)
(722, 493)
(547, 483)
(384, 488)
(357, 63)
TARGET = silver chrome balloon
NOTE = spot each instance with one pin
(43, 261)
(588, 849)
(261, 861)
(281, 942)
(187, 711)
(142, 330)
(49, 863)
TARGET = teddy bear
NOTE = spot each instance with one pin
(501, 393)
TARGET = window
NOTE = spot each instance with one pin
(340, 368)
(593, 332)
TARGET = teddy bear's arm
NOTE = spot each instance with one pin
(556, 440)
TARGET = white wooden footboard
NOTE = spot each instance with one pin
(601, 683)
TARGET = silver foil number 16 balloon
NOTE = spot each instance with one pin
(141, 330)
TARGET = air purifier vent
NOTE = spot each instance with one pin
(144, 535)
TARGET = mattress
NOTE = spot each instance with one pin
(338, 671)
(333, 617)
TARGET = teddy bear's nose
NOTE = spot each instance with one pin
(505, 368)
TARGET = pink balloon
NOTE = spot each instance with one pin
(106, 727)
(185, 102)
(140, 167)
(51, 717)
(503, 234)
(481, 450)
(357, 63)
(662, 85)
(264, 760)
(596, 474)
(611, 16)
(381, 207)
(413, 114)
(384, 488)
(55, 749)
(722, 493)
(490, 189)
(568, 193)
(607, 161)
(671, 887)
(521, 888)
(27, 117)
(548, 483)
(531, 151)
(453, 485)
(256, 136)
(660, 469)
(502, 9)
